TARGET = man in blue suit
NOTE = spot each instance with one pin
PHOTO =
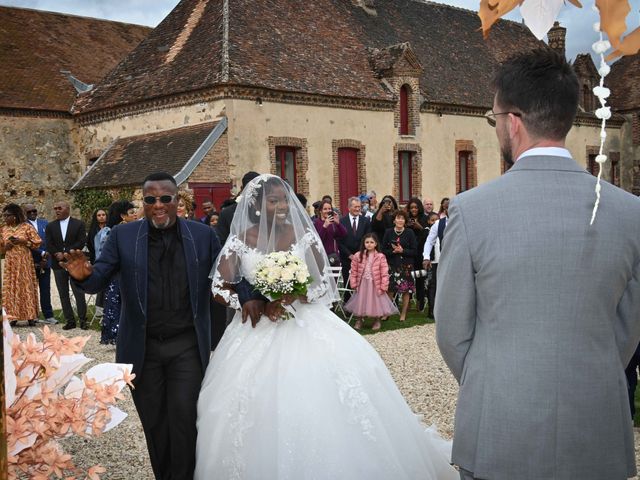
(42, 263)
(165, 329)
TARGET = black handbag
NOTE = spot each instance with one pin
(334, 259)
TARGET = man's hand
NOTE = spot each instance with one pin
(59, 256)
(426, 264)
(77, 265)
(253, 309)
(274, 310)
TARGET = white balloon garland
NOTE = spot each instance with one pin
(604, 112)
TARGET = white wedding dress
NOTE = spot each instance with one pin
(308, 398)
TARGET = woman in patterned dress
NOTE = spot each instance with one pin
(19, 283)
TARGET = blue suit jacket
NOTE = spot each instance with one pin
(126, 253)
(37, 253)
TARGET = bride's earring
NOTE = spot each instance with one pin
(257, 213)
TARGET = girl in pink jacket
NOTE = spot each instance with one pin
(370, 279)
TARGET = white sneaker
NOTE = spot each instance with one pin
(49, 321)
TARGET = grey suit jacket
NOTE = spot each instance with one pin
(537, 314)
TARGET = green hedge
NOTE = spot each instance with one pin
(91, 199)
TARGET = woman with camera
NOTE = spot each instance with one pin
(418, 223)
(330, 230)
(400, 246)
(383, 219)
(19, 283)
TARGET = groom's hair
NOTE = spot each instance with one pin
(541, 86)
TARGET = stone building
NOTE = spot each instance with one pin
(40, 143)
(337, 96)
(624, 83)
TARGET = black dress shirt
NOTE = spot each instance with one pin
(169, 303)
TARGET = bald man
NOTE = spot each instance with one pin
(62, 235)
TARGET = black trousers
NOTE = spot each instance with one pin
(431, 289)
(166, 398)
(632, 379)
(63, 284)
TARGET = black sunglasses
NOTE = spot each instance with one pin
(151, 200)
(32, 211)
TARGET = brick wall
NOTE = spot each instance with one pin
(635, 128)
(362, 165)
(214, 167)
(302, 159)
(467, 146)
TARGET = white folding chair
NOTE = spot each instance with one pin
(336, 274)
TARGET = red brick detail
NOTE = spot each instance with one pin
(413, 101)
(214, 167)
(416, 168)
(362, 165)
(462, 146)
(302, 159)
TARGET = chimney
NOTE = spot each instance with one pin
(556, 36)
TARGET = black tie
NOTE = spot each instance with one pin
(355, 227)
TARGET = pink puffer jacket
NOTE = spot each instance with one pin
(379, 270)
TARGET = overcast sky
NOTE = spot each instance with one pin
(579, 22)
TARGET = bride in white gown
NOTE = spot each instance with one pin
(305, 398)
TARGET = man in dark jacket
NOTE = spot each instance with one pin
(165, 328)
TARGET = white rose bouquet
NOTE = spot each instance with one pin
(281, 274)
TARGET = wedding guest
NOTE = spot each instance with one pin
(373, 201)
(120, 212)
(330, 231)
(19, 283)
(42, 263)
(208, 208)
(383, 219)
(212, 219)
(369, 278)
(418, 223)
(536, 318)
(163, 263)
(98, 222)
(427, 203)
(400, 246)
(444, 207)
(185, 204)
(356, 226)
(62, 235)
(430, 259)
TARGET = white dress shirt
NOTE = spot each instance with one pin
(432, 241)
(64, 224)
(545, 151)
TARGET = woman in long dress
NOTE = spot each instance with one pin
(307, 397)
(19, 283)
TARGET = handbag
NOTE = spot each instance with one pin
(334, 258)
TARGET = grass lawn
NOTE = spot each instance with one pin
(393, 323)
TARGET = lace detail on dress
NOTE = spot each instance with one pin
(353, 396)
(232, 246)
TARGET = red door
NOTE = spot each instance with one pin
(347, 175)
(215, 192)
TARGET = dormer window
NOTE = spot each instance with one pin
(404, 110)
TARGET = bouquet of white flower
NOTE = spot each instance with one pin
(282, 273)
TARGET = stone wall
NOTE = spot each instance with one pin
(39, 161)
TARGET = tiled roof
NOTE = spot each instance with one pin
(319, 47)
(35, 46)
(129, 160)
(624, 83)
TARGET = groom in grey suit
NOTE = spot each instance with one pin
(539, 313)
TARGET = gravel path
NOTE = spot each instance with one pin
(411, 355)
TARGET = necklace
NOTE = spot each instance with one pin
(398, 232)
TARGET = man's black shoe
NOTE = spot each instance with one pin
(13, 323)
(421, 305)
(84, 326)
(32, 323)
(69, 326)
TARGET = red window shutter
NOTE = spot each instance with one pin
(404, 110)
